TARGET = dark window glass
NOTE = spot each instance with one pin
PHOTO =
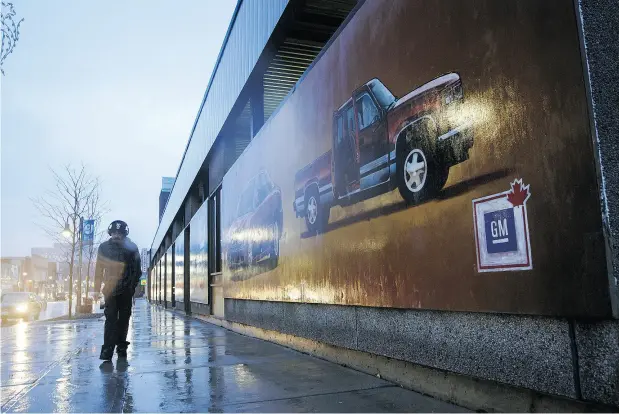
(367, 112)
(340, 129)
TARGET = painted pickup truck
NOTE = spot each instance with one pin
(381, 142)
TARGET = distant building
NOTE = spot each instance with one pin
(28, 273)
(166, 188)
(10, 276)
(145, 259)
(58, 253)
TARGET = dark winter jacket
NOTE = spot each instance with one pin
(118, 267)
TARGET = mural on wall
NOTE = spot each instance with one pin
(162, 279)
(159, 282)
(405, 161)
(169, 264)
(179, 267)
(254, 234)
(198, 256)
(380, 143)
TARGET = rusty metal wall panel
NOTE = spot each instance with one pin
(468, 236)
(250, 31)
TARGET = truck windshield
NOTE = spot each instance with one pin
(384, 97)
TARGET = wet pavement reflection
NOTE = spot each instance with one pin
(176, 363)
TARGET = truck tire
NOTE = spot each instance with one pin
(420, 175)
(316, 215)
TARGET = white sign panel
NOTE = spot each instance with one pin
(502, 230)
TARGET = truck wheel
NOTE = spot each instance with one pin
(316, 216)
(420, 175)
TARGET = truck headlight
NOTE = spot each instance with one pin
(22, 307)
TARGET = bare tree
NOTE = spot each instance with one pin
(96, 209)
(10, 32)
(76, 193)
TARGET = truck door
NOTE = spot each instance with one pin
(373, 142)
(346, 155)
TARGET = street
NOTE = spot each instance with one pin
(53, 310)
(177, 363)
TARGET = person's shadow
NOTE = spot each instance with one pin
(113, 384)
(122, 364)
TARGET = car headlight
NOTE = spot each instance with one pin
(23, 307)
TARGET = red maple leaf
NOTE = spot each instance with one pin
(519, 193)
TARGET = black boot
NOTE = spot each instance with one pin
(121, 349)
(106, 353)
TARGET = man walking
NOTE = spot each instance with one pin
(119, 268)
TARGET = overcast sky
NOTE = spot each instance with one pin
(113, 84)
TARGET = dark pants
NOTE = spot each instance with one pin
(117, 314)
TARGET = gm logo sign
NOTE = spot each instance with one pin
(502, 230)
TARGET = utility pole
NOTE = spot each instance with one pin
(70, 288)
(79, 274)
(68, 233)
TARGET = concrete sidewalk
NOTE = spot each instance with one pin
(176, 363)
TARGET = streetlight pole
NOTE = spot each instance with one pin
(79, 274)
(68, 233)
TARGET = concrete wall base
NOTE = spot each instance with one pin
(472, 393)
(199, 308)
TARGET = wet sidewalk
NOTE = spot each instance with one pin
(181, 364)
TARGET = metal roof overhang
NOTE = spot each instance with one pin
(250, 28)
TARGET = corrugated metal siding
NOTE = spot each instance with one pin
(286, 68)
(254, 23)
(242, 130)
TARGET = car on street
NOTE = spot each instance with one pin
(20, 305)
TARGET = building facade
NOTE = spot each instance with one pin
(12, 269)
(167, 183)
(421, 190)
(145, 259)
